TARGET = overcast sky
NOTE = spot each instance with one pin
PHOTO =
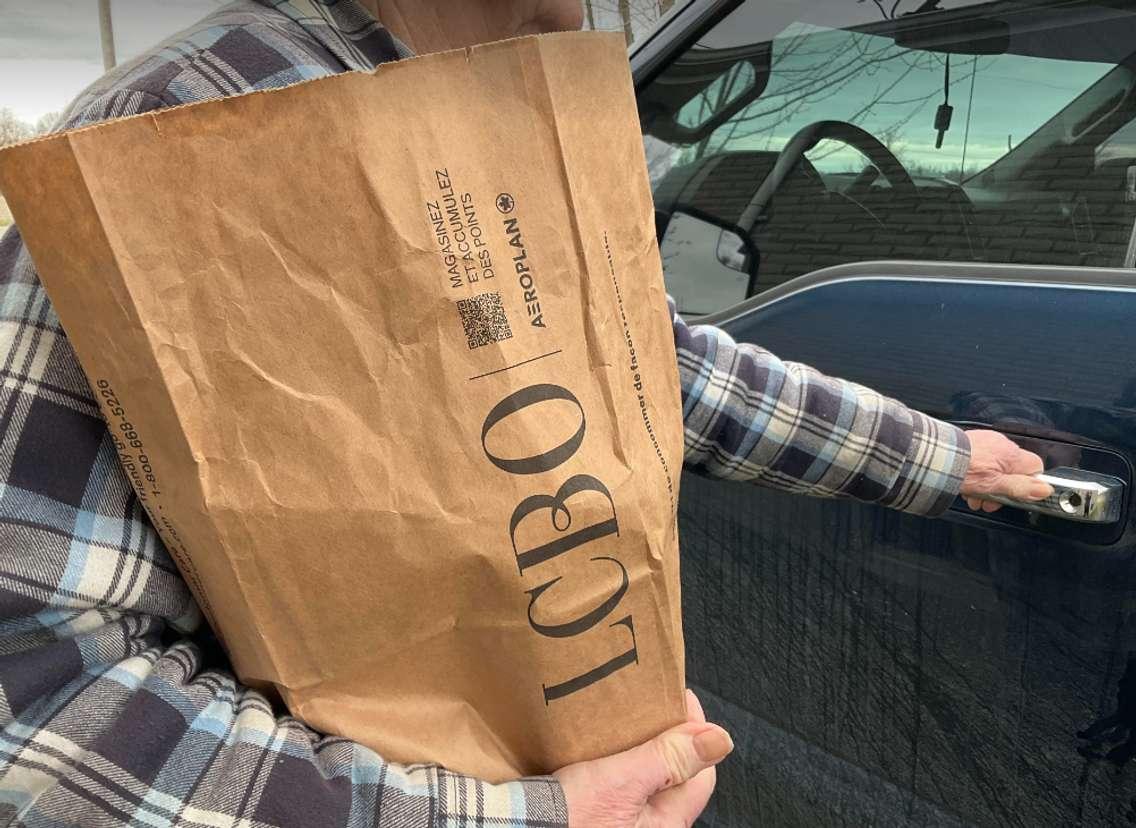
(49, 49)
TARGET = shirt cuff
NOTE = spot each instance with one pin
(931, 476)
(534, 802)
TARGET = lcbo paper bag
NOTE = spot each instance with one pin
(387, 358)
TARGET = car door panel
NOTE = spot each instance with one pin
(879, 668)
(887, 669)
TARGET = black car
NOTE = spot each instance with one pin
(937, 199)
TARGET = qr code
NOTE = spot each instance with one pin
(483, 318)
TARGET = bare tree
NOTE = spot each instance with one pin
(12, 129)
(632, 17)
(590, 15)
(46, 123)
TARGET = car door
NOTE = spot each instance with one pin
(878, 668)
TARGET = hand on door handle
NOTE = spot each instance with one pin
(999, 468)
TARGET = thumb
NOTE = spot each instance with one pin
(674, 756)
(1023, 487)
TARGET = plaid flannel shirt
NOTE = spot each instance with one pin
(110, 710)
(749, 416)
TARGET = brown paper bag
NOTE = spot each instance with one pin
(387, 358)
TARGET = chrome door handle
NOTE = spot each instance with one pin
(1088, 497)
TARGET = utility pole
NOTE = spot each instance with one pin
(625, 16)
(106, 33)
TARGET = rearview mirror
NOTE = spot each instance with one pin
(708, 264)
(701, 90)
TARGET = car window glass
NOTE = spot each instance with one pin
(1030, 166)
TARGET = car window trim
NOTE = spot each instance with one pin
(893, 270)
(684, 24)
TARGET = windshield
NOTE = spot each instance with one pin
(968, 108)
(893, 92)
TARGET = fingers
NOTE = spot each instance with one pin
(694, 711)
(682, 805)
(977, 504)
(1025, 462)
(1017, 486)
(997, 463)
(1024, 487)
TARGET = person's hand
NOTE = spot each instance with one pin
(999, 467)
(664, 783)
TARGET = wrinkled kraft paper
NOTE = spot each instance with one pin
(388, 360)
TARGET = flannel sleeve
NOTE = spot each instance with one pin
(107, 713)
(749, 416)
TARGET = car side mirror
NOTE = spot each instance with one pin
(708, 264)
